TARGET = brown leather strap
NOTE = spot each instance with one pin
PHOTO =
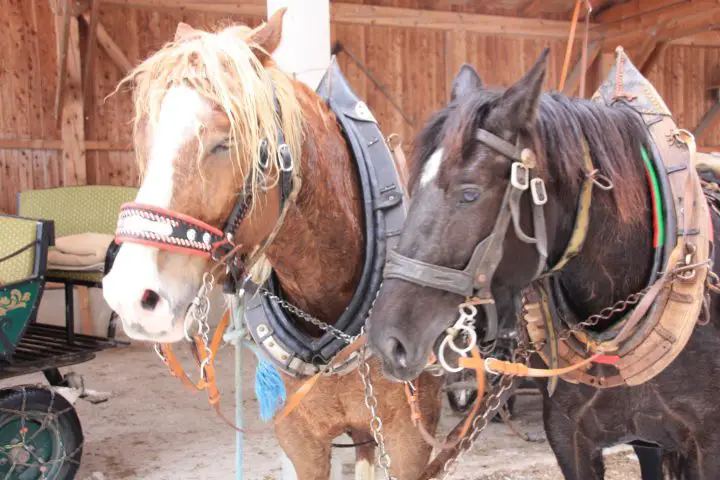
(520, 369)
(416, 415)
(399, 159)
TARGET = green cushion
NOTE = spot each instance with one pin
(88, 208)
(15, 233)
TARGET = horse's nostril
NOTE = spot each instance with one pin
(398, 352)
(149, 300)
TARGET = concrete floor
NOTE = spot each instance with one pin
(152, 428)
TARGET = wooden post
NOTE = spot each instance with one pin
(72, 121)
(304, 52)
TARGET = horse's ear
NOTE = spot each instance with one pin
(522, 99)
(466, 82)
(268, 35)
(183, 32)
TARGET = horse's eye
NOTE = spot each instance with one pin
(222, 147)
(469, 195)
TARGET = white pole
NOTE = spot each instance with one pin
(304, 52)
(304, 49)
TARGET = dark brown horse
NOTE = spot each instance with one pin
(204, 104)
(458, 185)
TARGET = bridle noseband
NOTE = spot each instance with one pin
(474, 282)
(176, 232)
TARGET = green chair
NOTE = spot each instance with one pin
(77, 210)
(23, 253)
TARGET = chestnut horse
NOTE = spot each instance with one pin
(203, 104)
(462, 170)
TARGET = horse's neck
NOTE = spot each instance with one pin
(614, 262)
(318, 253)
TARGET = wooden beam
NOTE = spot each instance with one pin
(573, 80)
(708, 148)
(37, 144)
(666, 18)
(62, 29)
(709, 120)
(89, 66)
(654, 56)
(111, 48)
(633, 8)
(387, 16)
(72, 128)
(704, 39)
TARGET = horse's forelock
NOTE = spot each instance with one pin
(223, 69)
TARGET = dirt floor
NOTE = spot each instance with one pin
(151, 428)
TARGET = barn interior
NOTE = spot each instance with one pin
(63, 124)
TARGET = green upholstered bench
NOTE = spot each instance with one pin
(77, 210)
(23, 250)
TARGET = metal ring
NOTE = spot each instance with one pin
(468, 310)
(470, 332)
(393, 140)
(443, 362)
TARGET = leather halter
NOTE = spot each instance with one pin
(174, 231)
(475, 281)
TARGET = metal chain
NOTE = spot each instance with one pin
(371, 402)
(310, 319)
(525, 349)
(478, 425)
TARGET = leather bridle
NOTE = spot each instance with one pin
(176, 232)
(474, 282)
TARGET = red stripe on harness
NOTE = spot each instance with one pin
(607, 359)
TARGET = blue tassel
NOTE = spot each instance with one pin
(269, 389)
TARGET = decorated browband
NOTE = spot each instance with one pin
(167, 230)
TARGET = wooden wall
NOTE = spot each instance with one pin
(416, 65)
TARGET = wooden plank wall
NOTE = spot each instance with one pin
(416, 65)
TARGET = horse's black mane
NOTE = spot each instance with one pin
(613, 134)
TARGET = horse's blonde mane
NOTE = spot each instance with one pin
(222, 67)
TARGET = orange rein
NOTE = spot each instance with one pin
(208, 382)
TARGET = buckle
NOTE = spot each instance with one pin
(285, 160)
(520, 176)
(263, 157)
(537, 189)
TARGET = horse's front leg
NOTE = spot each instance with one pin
(577, 456)
(309, 454)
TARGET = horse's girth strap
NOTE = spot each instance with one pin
(416, 414)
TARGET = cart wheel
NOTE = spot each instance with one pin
(40, 435)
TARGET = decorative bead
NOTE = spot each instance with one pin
(191, 234)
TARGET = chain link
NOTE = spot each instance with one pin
(525, 349)
(479, 424)
(337, 333)
(371, 402)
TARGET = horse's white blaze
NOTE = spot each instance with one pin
(135, 269)
(432, 167)
(364, 470)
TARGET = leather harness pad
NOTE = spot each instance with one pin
(384, 210)
(661, 335)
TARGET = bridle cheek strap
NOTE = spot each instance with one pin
(168, 230)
